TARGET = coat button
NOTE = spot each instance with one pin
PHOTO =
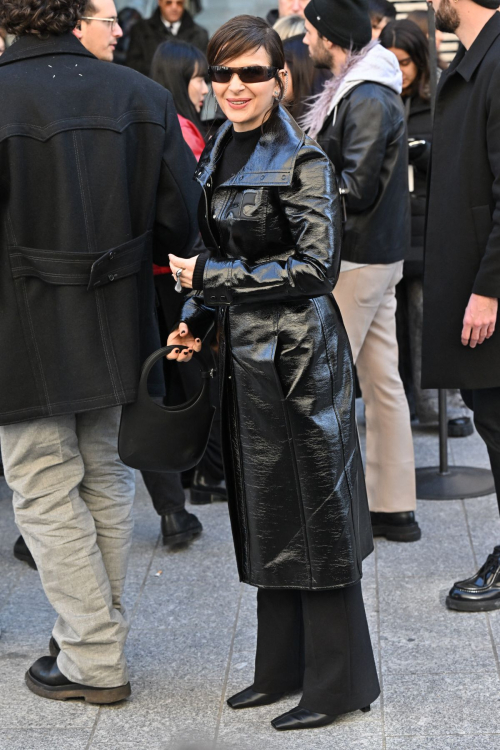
(112, 276)
(111, 255)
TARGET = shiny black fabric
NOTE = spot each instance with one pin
(295, 481)
(366, 140)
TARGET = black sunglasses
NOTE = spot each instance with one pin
(248, 74)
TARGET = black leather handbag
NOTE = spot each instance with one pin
(154, 437)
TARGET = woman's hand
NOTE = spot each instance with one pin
(183, 336)
(186, 265)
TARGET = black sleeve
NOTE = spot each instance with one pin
(176, 226)
(364, 144)
(487, 281)
(311, 207)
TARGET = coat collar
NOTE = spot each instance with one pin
(272, 162)
(468, 61)
(30, 45)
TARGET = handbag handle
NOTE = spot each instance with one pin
(204, 359)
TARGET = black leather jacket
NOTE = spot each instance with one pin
(295, 480)
(365, 138)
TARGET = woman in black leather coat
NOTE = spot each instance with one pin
(296, 489)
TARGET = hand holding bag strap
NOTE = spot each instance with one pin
(155, 437)
(204, 359)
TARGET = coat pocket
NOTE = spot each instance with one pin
(80, 314)
(483, 225)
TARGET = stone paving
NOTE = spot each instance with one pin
(193, 636)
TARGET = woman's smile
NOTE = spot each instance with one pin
(238, 103)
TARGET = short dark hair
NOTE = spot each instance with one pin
(174, 64)
(40, 17)
(244, 34)
(406, 35)
(379, 9)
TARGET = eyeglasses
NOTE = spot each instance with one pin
(179, 3)
(248, 74)
(111, 21)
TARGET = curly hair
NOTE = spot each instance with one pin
(40, 17)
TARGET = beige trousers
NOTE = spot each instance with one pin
(73, 500)
(367, 300)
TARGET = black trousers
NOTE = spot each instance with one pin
(182, 381)
(317, 641)
(485, 403)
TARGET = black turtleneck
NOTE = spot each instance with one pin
(237, 152)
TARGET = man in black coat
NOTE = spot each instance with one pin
(169, 20)
(462, 262)
(95, 184)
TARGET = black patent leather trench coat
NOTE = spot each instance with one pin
(296, 488)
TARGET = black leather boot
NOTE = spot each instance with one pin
(21, 552)
(249, 698)
(396, 527)
(481, 592)
(54, 647)
(302, 718)
(460, 427)
(179, 528)
(45, 679)
(205, 490)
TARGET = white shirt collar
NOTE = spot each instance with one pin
(172, 27)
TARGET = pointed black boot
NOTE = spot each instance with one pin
(249, 698)
(179, 528)
(481, 592)
(302, 718)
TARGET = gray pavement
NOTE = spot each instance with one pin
(193, 636)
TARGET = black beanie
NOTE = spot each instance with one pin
(344, 22)
(491, 4)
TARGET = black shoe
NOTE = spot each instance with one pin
(21, 552)
(54, 647)
(302, 718)
(205, 490)
(481, 593)
(460, 427)
(396, 527)
(179, 528)
(45, 679)
(248, 698)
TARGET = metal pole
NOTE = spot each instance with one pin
(443, 433)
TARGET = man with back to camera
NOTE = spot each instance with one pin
(77, 317)
(170, 19)
(99, 32)
(461, 347)
(359, 121)
(286, 8)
